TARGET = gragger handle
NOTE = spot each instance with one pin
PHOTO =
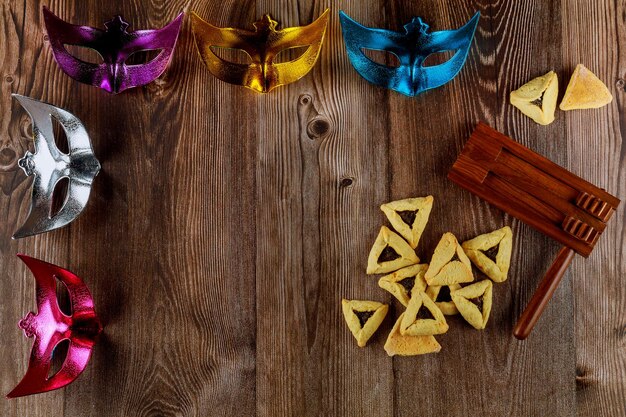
(543, 293)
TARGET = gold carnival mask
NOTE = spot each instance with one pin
(261, 46)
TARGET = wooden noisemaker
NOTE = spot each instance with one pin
(540, 193)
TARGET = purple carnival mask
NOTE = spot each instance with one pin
(115, 45)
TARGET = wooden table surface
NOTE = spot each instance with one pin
(226, 226)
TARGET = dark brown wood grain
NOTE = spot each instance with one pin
(600, 331)
(226, 226)
(487, 373)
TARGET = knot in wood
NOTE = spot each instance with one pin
(317, 127)
(305, 99)
(7, 156)
(346, 182)
(26, 127)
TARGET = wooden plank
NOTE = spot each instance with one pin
(226, 226)
(488, 372)
(596, 148)
(24, 71)
(174, 290)
(315, 179)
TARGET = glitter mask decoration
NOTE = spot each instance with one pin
(115, 45)
(261, 46)
(411, 48)
(50, 326)
(49, 166)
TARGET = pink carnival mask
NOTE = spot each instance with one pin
(115, 45)
(50, 326)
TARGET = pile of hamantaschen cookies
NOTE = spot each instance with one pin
(430, 292)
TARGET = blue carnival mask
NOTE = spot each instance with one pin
(411, 48)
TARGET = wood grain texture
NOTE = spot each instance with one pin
(596, 147)
(226, 226)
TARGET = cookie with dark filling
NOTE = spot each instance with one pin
(402, 283)
(389, 253)
(474, 302)
(422, 317)
(491, 253)
(404, 345)
(363, 318)
(441, 295)
(449, 264)
(409, 217)
(537, 98)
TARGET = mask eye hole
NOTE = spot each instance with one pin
(59, 196)
(290, 54)
(60, 138)
(63, 296)
(142, 57)
(84, 54)
(59, 354)
(233, 55)
(385, 58)
(438, 58)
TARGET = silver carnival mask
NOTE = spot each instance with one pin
(49, 166)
